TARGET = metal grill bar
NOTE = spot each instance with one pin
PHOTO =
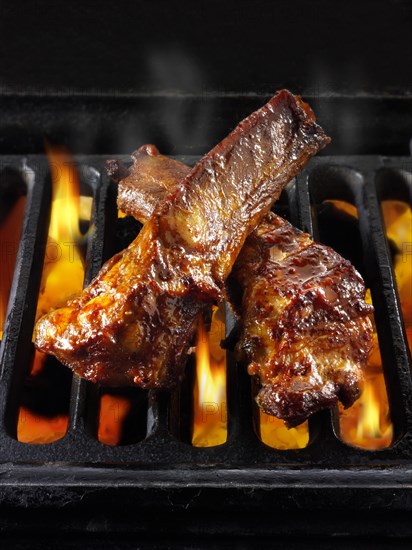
(162, 449)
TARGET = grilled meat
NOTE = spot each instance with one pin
(305, 331)
(134, 322)
(148, 182)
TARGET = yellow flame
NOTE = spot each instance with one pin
(210, 413)
(372, 426)
(85, 208)
(63, 270)
(65, 211)
(397, 217)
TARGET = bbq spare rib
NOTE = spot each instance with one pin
(306, 334)
(305, 328)
(152, 177)
(134, 322)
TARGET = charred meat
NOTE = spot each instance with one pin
(305, 331)
(134, 322)
(151, 178)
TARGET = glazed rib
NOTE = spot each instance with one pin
(134, 322)
(305, 331)
(151, 178)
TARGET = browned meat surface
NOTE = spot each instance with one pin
(134, 322)
(151, 178)
(305, 333)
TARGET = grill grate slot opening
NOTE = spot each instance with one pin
(394, 190)
(180, 422)
(121, 415)
(367, 423)
(26, 284)
(44, 395)
(44, 400)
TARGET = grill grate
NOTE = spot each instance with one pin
(243, 466)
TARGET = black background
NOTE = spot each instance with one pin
(104, 77)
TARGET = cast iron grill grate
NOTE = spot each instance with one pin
(162, 459)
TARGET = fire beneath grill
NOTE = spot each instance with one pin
(367, 423)
(62, 278)
(117, 417)
(209, 398)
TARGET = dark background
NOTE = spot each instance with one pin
(105, 77)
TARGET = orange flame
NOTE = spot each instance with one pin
(210, 413)
(9, 236)
(367, 424)
(113, 413)
(33, 428)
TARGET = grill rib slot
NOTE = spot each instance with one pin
(16, 346)
(399, 377)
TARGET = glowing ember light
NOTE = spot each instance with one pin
(274, 433)
(367, 424)
(9, 241)
(113, 413)
(397, 217)
(210, 412)
(62, 278)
